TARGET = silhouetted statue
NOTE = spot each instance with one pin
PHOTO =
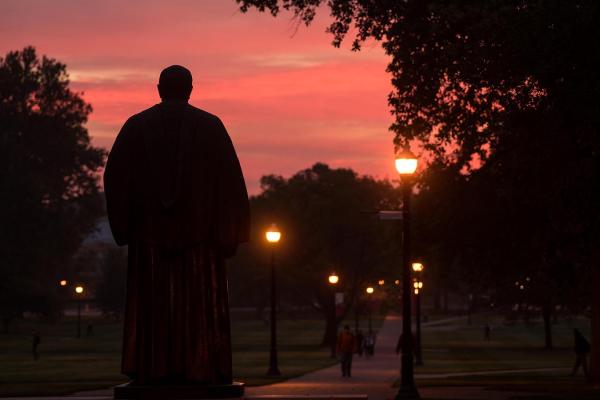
(176, 195)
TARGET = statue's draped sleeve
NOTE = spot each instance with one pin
(118, 185)
(233, 211)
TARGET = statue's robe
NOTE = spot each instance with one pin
(176, 196)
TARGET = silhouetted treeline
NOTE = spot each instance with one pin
(321, 214)
(48, 182)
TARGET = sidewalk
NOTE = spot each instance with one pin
(373, 377)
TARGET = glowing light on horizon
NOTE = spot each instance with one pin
(273, 235)
(333, 278)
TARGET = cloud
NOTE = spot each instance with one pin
(287, 97)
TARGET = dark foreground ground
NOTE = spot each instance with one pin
(458, 363)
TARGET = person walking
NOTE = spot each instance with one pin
(346, 346)
(90, 329)
(35, 343)
(360, 338)
(487, 332)
(369, 344)
(582, 349)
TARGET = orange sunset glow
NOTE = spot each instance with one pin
(287, 97)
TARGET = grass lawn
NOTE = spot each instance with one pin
(459, 348)
(68, 364)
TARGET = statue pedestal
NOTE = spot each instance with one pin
(133, 391)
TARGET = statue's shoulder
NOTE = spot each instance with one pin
(143, 117)
(203, 117)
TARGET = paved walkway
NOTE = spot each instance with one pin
(373, 376)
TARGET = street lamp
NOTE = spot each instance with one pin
(418, 285)
(370, 291)
(273, 236)
(333, 279)
(63, 282)
(79, 294)
(406, 165)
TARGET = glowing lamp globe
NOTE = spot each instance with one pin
(406, 163)
(333, 278)
(370, 290)
(63, 282)
(417, 267)
(273, 234)
(79, 289)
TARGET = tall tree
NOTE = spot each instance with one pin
(320, 212)
(513, 85)
(48, 179)
(110, 291)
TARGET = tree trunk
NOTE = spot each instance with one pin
(547, 314)
(330, 330)
(437, 300)
(595, 333)
(445, 299)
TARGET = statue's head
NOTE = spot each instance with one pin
(175, 83)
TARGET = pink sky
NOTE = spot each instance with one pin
(288, 100)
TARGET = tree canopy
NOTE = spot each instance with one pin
(48, 179)
(502, 97)
(461, 71)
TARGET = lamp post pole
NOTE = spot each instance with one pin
(333, 280)
(418, 352)
(79, 294)
(273, 367)
(417, 268)
(334, 330)
(273, 236)
(406, 164)
(79, 317)
(370, 291)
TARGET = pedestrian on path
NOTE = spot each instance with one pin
(360, 342)
(35, 343)
(346, 346)
(582, 349)
(90, 329)
(369, 344)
